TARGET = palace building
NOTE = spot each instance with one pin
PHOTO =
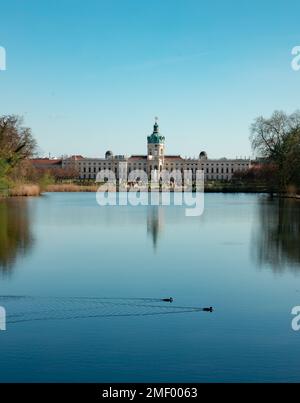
(156, 160)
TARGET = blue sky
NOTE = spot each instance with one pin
(91, 75)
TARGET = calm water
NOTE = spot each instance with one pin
(90, 279)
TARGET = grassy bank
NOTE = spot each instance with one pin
(237, 187)
(65, 187)
(210, 187)
(89, 186)
(25, 190)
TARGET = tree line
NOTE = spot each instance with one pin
(17, 148)
(17, 145)
(275, 142)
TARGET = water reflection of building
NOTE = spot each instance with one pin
(277, 236)
(154, 222)
(15, 234)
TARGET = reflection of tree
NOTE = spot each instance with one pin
(278, 236)
(15, 235)
(154, 222)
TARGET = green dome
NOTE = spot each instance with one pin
(156, 137)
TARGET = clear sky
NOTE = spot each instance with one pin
(91, 75)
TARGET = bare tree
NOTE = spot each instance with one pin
(16, 141)
(277, 140)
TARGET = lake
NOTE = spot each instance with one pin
(81, 285)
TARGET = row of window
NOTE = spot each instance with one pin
(211, 170)
(212, 164)
(95, 170)
(207, 177)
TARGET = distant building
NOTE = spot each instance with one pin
(157, 160)
(46, 163)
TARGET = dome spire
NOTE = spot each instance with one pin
(156, 127)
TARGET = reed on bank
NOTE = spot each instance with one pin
(25, 190)
(70, 187)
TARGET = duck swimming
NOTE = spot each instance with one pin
(167, 299)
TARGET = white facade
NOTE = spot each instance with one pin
(214, 169)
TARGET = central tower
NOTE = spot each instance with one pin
(155, 150)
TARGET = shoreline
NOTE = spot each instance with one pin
(275, 195)
(34, 190)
